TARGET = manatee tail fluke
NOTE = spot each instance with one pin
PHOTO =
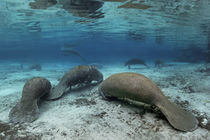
(56, 92)
(177, 117)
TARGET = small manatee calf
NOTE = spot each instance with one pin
(135, 61)
(137, 87)
(81, 74)
(26, 110)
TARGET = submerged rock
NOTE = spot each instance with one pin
(76, 76)
(137, 87)
(26, 110)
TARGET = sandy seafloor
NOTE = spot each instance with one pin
(84, 115)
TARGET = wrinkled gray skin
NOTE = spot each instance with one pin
(81, 74)
(26, 110)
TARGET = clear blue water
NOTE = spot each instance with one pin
(100, 31)
(65, 33)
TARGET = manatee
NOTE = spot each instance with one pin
(159, 63)
(26, 110)
(69, 52)
(137, 87)
(81, 74)
(37, 67)
(135, 61)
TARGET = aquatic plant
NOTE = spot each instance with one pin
(78, 75)
(136, 87)
(26, 110)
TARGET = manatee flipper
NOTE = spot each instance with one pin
(56, 92)
(22, 113)
(177, 117)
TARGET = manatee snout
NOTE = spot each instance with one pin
(97, 76)
(26, 110)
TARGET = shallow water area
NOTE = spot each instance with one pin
(167, 41)
(83, 113)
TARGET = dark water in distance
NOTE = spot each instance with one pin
(105, 31)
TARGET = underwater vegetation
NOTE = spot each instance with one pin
(137, 87)
(135, 61)
(76, 76)
(26, 110)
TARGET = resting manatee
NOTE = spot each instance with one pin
(26, 110)
(137, 87)
(135, 61)
(78, 75)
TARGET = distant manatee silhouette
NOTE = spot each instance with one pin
(135, 61)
